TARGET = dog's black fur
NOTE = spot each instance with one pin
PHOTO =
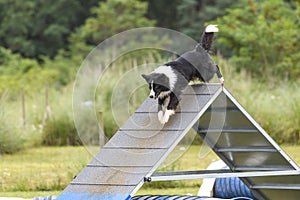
(168, 81)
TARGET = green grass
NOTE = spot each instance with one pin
(41, 169)
(46, 171)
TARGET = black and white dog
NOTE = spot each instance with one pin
(168, 81)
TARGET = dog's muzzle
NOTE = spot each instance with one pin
(152, 94)
(152, 97)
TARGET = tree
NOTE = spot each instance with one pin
(33, 28)
(109, 18)
(164, 13)
(18, 73)
(263, 38)
(193, 15)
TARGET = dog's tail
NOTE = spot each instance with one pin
(207, 36)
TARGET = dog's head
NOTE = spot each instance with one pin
(158, 84)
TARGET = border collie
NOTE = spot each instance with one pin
(167, 82)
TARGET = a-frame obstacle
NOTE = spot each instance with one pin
(142, 143)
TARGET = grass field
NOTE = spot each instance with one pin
(47, 170)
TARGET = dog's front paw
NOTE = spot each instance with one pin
(167, 116)
(160, 116)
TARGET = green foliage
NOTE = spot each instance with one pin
(63, 66)
(19, 73)
(10, 137)
(35, 28)
(109, 18)
(263, 39)
(58, 128)
(187, 16)
(164, 13)
(60, 131)
(194, 14)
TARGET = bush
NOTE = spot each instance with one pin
(10, 140)
(60, 131)
(10, 137)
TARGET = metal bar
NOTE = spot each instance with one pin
(263, 168)
(245, 149)
(99, 184)
(191, 172)
(216, 174)
(222, 109)
(277, 186)
(227, 130)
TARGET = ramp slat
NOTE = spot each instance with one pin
(145, 139)
(234, 120)
(188, 103)
(229, 139)
(277, 179)
(127, 157)
(256, 159)
(203, 89)
(149, 121)
(111, 175)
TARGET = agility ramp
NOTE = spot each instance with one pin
(142, 143)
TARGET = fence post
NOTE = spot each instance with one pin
(47, 112)
(101, 129)
(23, 108)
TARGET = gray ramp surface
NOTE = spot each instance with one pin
(139, 147)
(142, 144)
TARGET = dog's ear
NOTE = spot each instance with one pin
(146, 77)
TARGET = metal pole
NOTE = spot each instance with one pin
(165, 176)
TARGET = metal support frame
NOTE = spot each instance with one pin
(201, 174)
